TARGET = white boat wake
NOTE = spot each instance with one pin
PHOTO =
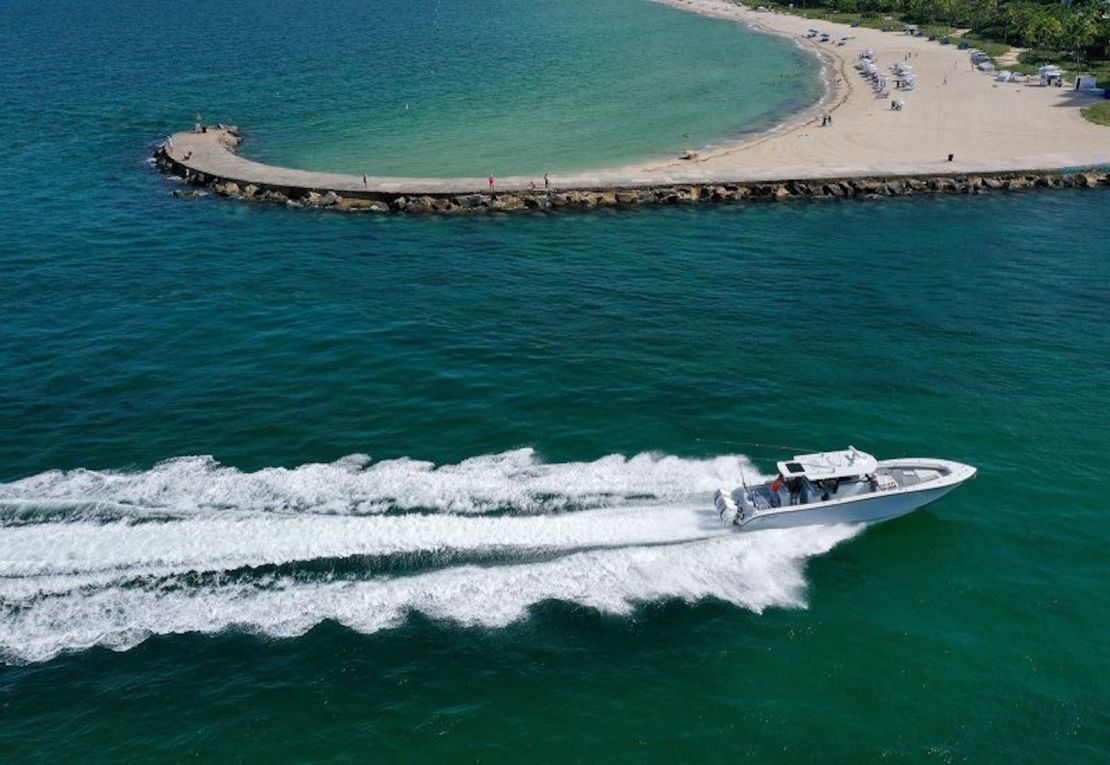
(93, 558)
(515, 480)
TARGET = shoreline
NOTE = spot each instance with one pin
(828, 66)
(958, 122)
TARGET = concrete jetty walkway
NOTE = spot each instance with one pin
(208, 159)
(214, 153)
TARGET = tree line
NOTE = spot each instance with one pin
(1079, 27)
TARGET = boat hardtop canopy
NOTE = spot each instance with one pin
(822, 466)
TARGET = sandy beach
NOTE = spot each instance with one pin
(954, 110)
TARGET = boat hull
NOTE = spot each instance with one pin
(867, 508)
(863, 510)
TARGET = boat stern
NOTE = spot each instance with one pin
(727, 508)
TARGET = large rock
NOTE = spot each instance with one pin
(607, 198)
(682, 195)
(507, 202)
(569, 199)
(471, 201)
(415, 205)
(348, 204)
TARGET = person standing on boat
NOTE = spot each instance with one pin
(796, 487)
(776, 487)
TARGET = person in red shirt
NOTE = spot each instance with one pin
(776, 487)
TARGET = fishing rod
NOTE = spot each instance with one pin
(795, 449)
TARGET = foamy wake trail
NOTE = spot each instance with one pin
(226, 543)
(516, 480)
(215, 562)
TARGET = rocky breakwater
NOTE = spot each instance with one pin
(176, 164)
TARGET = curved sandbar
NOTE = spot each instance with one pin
(1008, 130)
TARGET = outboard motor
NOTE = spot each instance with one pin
(727, 508)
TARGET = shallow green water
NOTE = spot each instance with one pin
(426, 88)
(549, 584)
(448, 87)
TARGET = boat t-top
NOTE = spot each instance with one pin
(847, 486)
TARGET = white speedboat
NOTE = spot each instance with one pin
(846, 486)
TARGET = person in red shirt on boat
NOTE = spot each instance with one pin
(776, 487)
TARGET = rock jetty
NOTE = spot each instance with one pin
(461, 202)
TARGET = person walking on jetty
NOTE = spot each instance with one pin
(546, 181)
(492, 184)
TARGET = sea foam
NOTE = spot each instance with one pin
(516, 480)
(278, 551)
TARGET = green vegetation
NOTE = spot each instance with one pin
(1031, 59)
(1081, 27)
(1073, 34)
(992, 48)
(1098, 114)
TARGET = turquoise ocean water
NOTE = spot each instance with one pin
(289, 485)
